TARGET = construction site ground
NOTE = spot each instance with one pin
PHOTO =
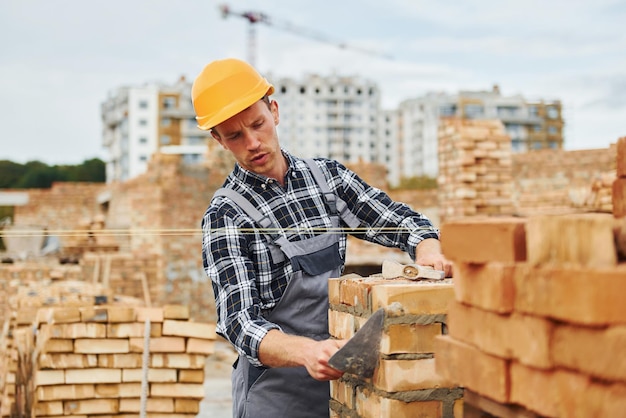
(217, 402)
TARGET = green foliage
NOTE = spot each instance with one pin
(38, 175)
(418, 182)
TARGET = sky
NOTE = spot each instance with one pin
(59, 59)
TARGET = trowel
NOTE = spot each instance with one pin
(360, 354)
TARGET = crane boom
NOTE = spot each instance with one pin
(257, 17)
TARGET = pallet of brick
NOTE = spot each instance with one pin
(404, 383)
(475, 176)
(538, 325)
(89, 361)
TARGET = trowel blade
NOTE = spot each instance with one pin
(360, 354)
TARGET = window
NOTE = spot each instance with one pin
(532, 111)
(166, 121)
(447, 110)
(143, 104)
(143, 158)
(165, 140)
(553, 130)
(552, 112)
(169, 102)
(473, 110)
(537, 128)
(143, 122)
(143, 140)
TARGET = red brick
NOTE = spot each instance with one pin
(481, 240)
(416, 298)
(471, 368)
(406, 375)
(489, 286)
(573, 295)
(591, 350)
(578, 240)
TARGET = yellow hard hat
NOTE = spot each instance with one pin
(224, 88)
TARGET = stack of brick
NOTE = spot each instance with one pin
(404, 383)
(88, 235)
(619, 184)
(475, 176)
(89, 362)
(537, 327)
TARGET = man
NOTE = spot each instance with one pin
(273, 236)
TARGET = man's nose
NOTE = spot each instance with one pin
(252, 142)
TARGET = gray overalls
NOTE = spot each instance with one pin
(290, 392)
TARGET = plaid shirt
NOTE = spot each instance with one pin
(245, 281)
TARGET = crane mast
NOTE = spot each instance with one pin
(257, 17)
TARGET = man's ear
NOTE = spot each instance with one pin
(274, 110)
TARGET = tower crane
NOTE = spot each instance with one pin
(254, 17)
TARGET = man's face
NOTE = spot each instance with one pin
(251, 136)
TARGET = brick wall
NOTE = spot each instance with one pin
(405, 383)
(537, 324)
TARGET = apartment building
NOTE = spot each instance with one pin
(142, 120)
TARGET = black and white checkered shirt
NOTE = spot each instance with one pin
(246, 282)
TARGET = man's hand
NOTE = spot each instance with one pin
(428, 253)
(278, 349)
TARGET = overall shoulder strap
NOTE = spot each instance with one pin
(336, 204)
(268, 228)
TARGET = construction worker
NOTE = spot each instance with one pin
(272, 237)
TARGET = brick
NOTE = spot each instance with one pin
(489, 286)
(154, 314)
(471, 368)
(121, 314)
(66, 360)
(417, 298)
(573, 295)
(189, 329)
(406, 375)
(177, 390)
(132, 329)
(97, 375)
(159, 345)
(64, 392)
(175, 312)
(74, 330)
(333, 290)
(48, 408)
(101, 346)
(117, 390)
(482, 240)
(591, 350)
(191, 376)
(618, 197)
(154, 375)
(372, 405)
(200, 346)
(356, 292)
(409, 338)
(343, 391)
(152, 405)
(58, 315)
(584, 240)
(341, 324)
(601, 400)
(621, 157)
(56, 345)
(187, 406)
(49, 377)
(177, 361)
(91, 406)
(514, 336)
(120, 361)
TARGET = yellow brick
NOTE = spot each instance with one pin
(405, 375)
(200, 346)
(152, 405)
(55, 345)
(101, 346)
(120, 361)
(92, 406)
(333, 291)
(67, 360)
(97, 375)
(58, 315)
(159, 345)
(49, 377)
(190, 376)
(409, 338)
(177, 390)
(343, 392)
(341, 324)
(415, 298)
(177, 361)
(188, 329)
(74, 330)
(64, 392)
(118, 390)
(154, 314)
(121, 314)
(175, 312)
(154, 375)
(186, 406)
(371, 405)
(49, 408)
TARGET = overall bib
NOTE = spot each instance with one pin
(290, 392)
